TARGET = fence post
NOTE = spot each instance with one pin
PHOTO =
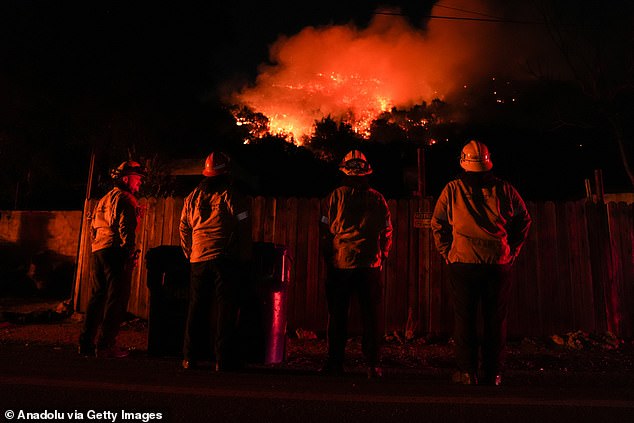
(601, 264)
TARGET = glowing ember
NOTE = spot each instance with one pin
(355, 74)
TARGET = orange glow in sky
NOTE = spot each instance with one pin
(354, 74)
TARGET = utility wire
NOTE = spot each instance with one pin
(468, 11)
(459, 18)
(496, 20)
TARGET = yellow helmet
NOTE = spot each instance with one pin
(475, 157)
(355, 164)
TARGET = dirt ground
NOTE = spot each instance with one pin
(49, 322)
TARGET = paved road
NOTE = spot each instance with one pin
(41, 379)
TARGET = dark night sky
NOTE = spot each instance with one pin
(107, 53)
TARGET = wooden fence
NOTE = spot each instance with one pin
(576, 271)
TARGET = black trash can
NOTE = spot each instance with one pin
(168, 282)
(263, 311)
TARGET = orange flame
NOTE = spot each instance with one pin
(355, 74)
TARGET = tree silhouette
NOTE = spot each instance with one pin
(595, 42)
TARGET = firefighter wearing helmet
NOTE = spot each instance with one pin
(114, 256)
(479, 223)
(356, 236)
(215, 233)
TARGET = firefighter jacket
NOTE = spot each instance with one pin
(215, 222)
(479, 218)
(357, 222)
(115, 220)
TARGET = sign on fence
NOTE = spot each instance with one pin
(422, 220)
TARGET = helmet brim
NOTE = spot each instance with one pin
(472, 166)
(214, 172)
(356, 172)
(356, 167)
(116, 174)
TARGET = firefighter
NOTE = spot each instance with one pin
(480, 223)
(356, 235)
(114, 256)
(215, 232)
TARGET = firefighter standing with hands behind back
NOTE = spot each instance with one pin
(479, 224)
(114, 256)
(215, 230)
(356, 238)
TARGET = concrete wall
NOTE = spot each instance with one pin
(38, 231)
(38, 251)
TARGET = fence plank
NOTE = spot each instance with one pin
(149, 234)
(301, 262)
(530, 302)
(436, 306)
(269, 219)
(402, 229)
(430, 270)
(322, 304)
(549, 272)
(580, 267)
(623, 230)
(167, 221)
(599, 255)
(175, 238)
(391, 299)
(149, 220)
(294, 314)
(619, 261)
(281, 215)
(314, 301)
(565, 317)
(82, 281)
(257, 218)
(413, 280)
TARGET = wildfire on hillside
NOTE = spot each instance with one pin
(354, 75)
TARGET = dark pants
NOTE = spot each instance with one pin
(111, 271)
(487, 286)
(213, 281)
(340, 287)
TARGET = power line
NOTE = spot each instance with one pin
(467, 11)
(489, 20)
(495, 20)
(459, 18)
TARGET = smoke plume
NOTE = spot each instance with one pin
(352, 73)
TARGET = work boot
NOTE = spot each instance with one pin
(491, 380)
(464, 378)
(189, 364)
(374, 372)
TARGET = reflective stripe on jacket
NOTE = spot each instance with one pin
(209, 220)
(115, 220)
(487, 225)
(361, 228)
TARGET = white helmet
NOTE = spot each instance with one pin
(355, 164)
(475, 157)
